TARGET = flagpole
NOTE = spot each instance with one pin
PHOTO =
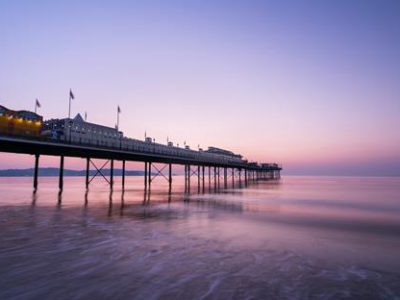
(69, 107)
(118, 118)
(37, 105)
(69, 114)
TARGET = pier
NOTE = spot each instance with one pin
(195, 166)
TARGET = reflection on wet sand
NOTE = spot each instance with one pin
(299, 239)
(167, 198)
(122, 203)
(202, 198)
(86, 197)
(34, 198)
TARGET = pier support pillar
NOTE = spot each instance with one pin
(61, 174)
(149, 174)
(123, 174)
(215, 178)
(87, 172)
(203, 178)
(185, 178)
(112, 174)
(225, 178)
(233, 177)
(240, 177)
(198, 179)
(218, 177)
(145, 175)
(209, 177)
(36, 173)
(170, 176)
(189, 176)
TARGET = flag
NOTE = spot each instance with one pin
(71, 95)
(119, 109)
(38, 103)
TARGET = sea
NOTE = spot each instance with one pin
(294, 238)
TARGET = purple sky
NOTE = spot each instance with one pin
(312, 85)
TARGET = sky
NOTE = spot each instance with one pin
(313, 85)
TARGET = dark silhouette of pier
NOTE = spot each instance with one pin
(214, 170)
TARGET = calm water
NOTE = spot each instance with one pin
(301, 238)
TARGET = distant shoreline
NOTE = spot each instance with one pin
(54, 172)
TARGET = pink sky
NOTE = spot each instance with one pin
(314, 87)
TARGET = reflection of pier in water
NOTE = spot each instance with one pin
(129, 204)
(145, 203)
